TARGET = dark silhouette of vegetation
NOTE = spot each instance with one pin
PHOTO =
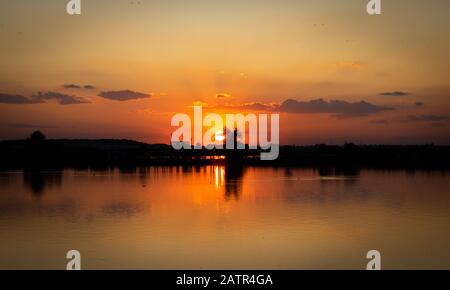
(37, 136)
(38, 153)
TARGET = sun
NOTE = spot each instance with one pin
(219, 136)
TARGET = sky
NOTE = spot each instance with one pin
(122, 69)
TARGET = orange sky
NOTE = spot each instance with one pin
(159, 57)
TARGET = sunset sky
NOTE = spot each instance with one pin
(123, 68)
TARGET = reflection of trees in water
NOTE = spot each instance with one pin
(324, 184)
(143, 175)
(233, 181)
(339, 171)
(288, 172)
(38, 182)
(348, 174)
(127, 173)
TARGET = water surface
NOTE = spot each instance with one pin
(220, 218)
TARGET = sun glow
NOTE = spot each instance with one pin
(219, 136)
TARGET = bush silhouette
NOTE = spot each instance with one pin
(37, 136)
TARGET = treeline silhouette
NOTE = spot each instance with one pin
(39, 153)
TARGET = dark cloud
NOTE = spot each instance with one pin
(17, 100)
(61, 98)
(40, 98)
(394, 94)
(420, 104)
(71, 86)
(426, 118)
(125, 95)
(77, 87)
(341, 109)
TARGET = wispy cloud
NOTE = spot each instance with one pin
(125, 95)
(252, 106)
(437, 121)
(395, 94)
(78, 87)
(40, 98)
(432, 120)
(12, 99)
(62, 99)
(223, 96)
(71, 86)
(426, 118)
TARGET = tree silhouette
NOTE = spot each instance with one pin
(37, 136)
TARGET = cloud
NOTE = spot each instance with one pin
(420, 104)
(78, 87)
(426, 118)
(253, 106)
(40, 98)
(17, 100)
(71, 86)
(394, 94)
(437, 121)
(125, 95)
(223, 96)
(341, 109)
(432, 120)
(61, 98)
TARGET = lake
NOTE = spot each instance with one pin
(213, 217)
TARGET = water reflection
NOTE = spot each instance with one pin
(39, 182)
(259, 217)
(143, 175)
(233, 182)
(339, 171)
